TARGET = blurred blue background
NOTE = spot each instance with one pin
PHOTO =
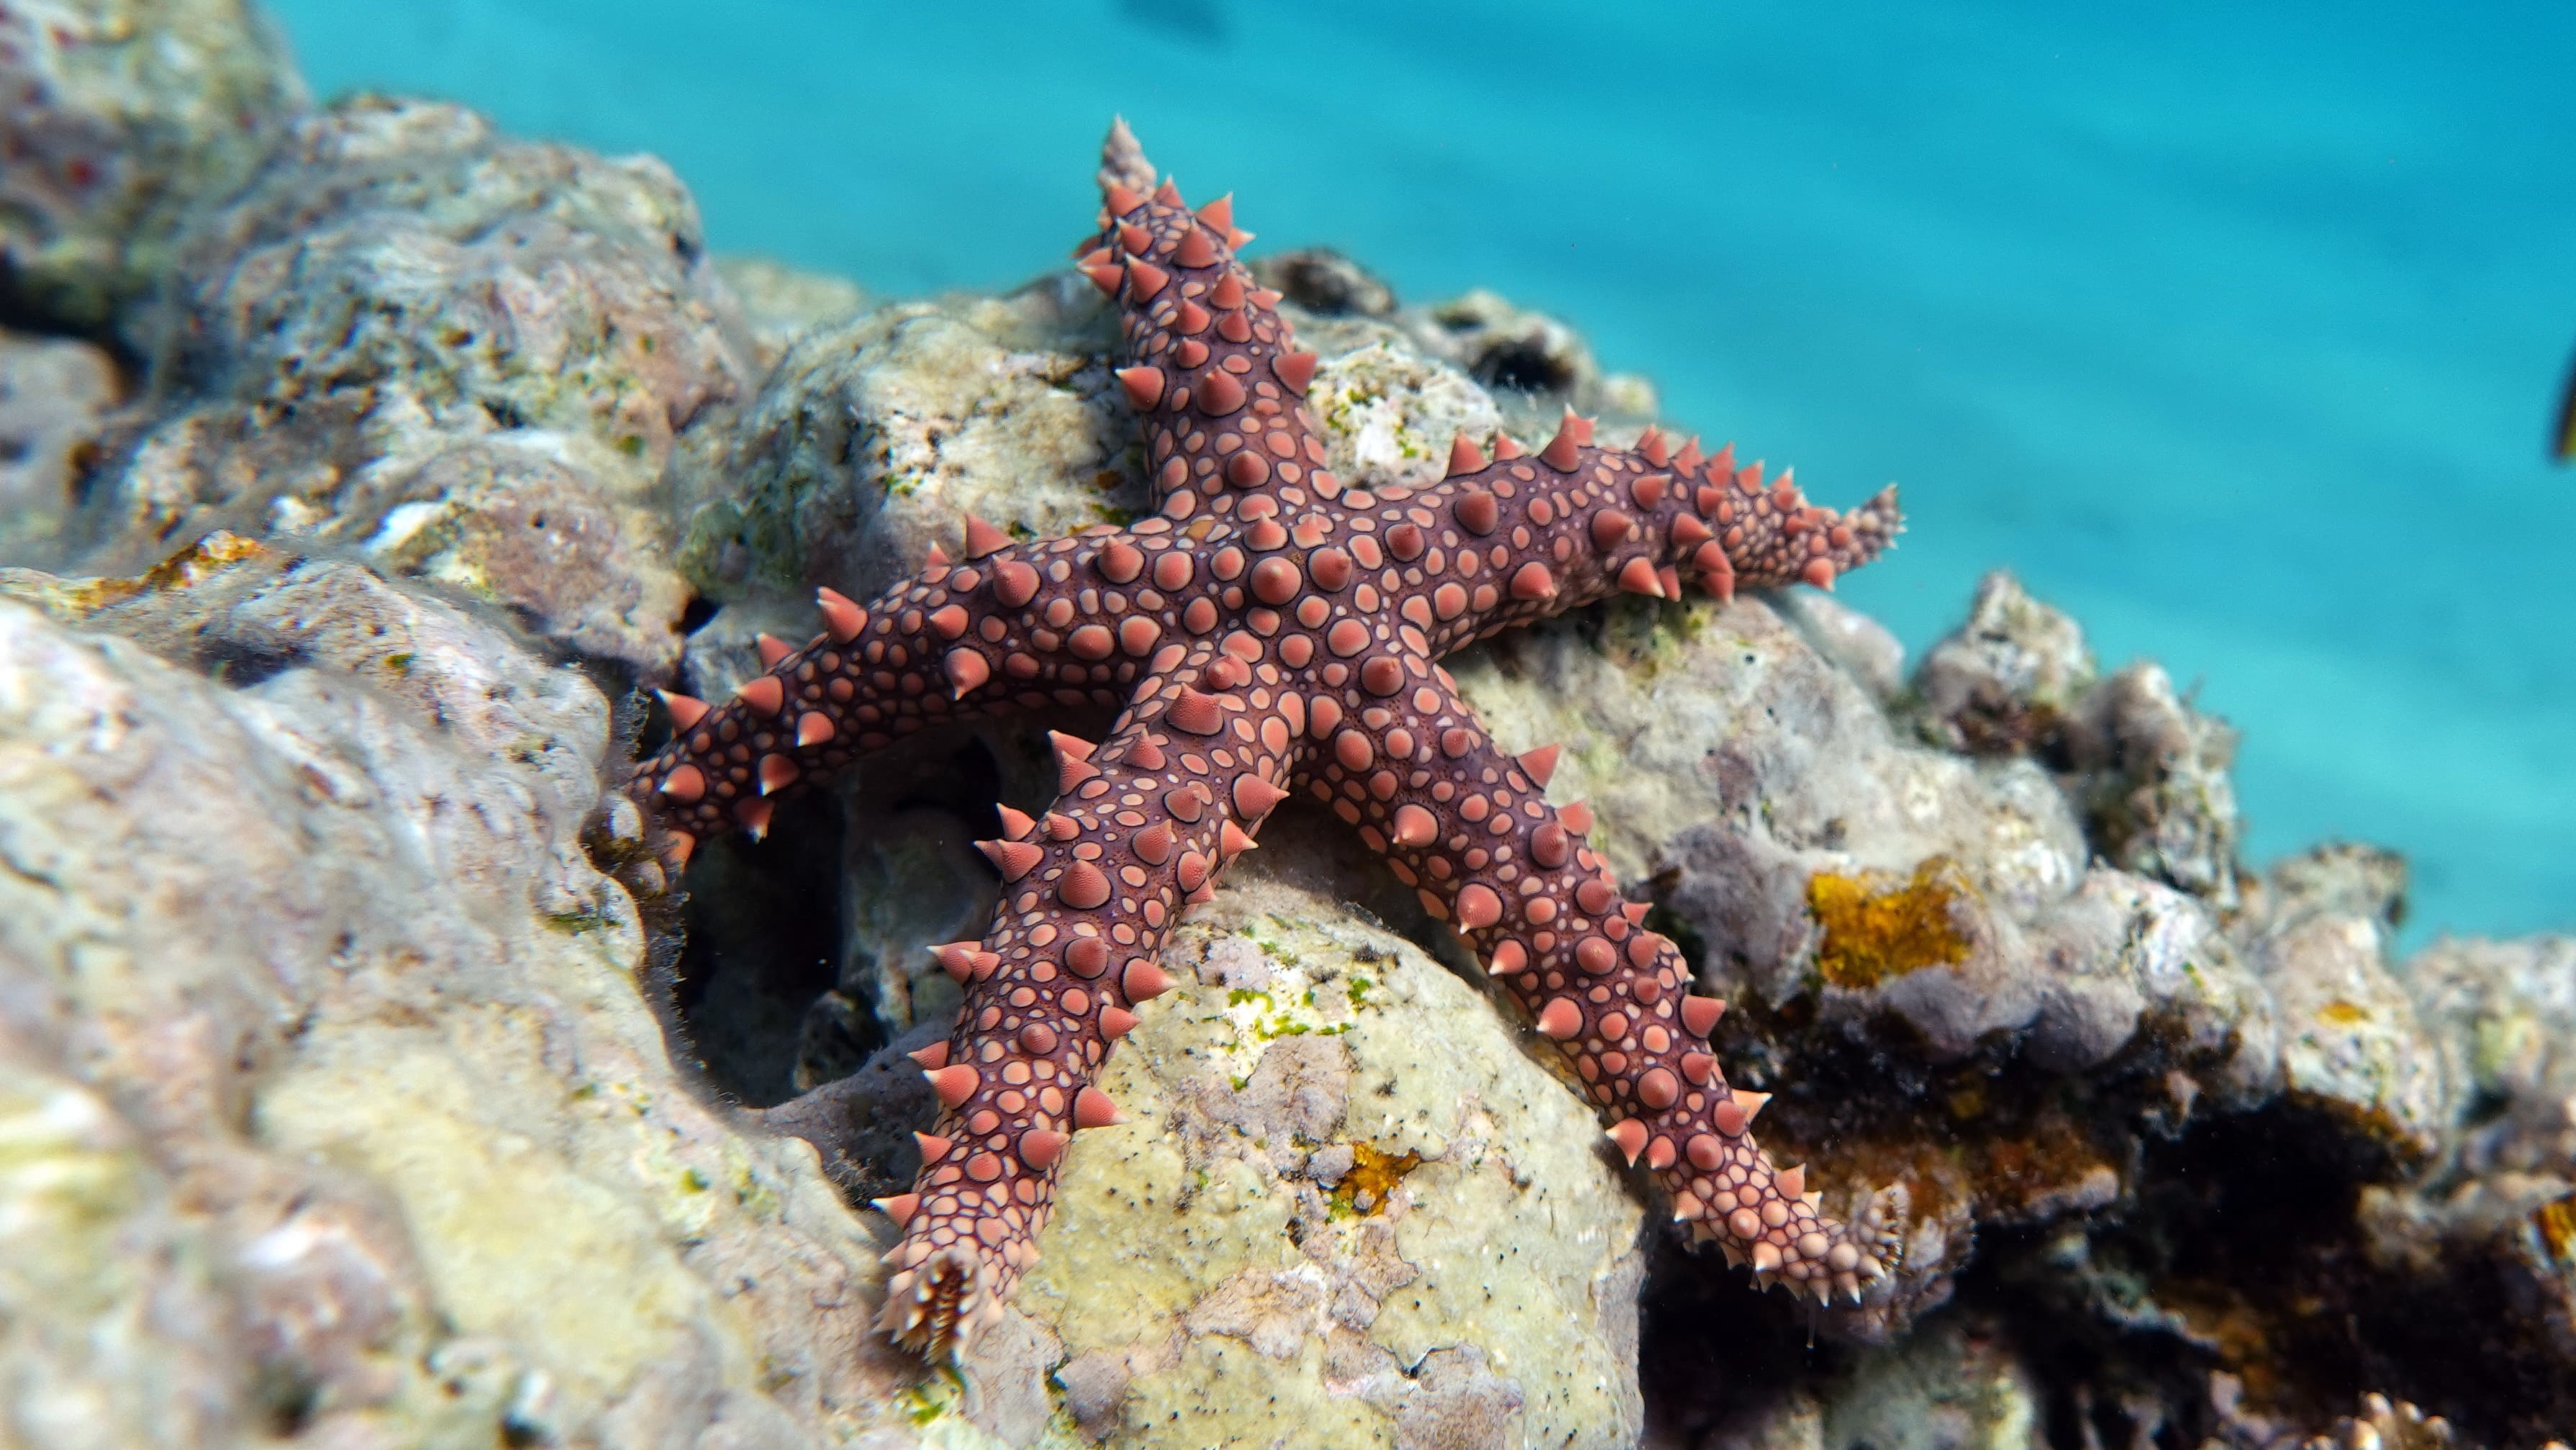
(2234, 330)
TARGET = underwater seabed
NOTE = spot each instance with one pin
(366, 1078)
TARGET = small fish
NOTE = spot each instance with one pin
(2562, 439)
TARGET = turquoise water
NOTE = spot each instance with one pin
(2237, 334)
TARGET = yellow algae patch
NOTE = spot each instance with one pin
(1373, 1175)
(72, 599)
(2555, 1221)
(1874, 932)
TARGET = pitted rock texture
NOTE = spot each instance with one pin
(1528, 356)
(470, 359)
(781, 303)
(339, 1112)
(2481, 1248)
(2148, 771)
(2353, 1041)
(876, 435)
(1460, 1255)
(124, 116)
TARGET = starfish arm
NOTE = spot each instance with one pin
(1212, 369)
(1022, 626)
(1471, 831)
(1139, 830)
(1501, 543)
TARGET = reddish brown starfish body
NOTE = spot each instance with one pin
(1273, 631)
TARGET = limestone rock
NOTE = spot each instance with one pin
(124, 116)
(1460, 1268)
(1845, 878)
(2156, 794)
(782, 303)
(2148, 771)
(874, 438)
(471, 359)
(1537, 360)
(336, 1101)
(55, 397)
(1390, 414)
(1325, 282)
(2007, 677)
(2500, 1215)
(2351, 1039)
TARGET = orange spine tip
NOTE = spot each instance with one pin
(983, 538)
(954, 1084)
(842, 619)
(1630, 1135)
(1093, 1108)
(1041, 1147)
(1014, 859)
(1144, 279)
(967, 670)
(1143, 386)
(1254, 796)
(1700, 1014)
(686, 711)
(1540, 764)
(1143, 981)
(1295, 370)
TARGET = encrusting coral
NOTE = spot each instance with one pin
(1273, 631)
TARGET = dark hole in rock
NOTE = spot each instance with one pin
(1524, 364)
(763, 941)
(1324, 281)
(695, 614)
(764, 990)
(241, 665)
(1714, 1355)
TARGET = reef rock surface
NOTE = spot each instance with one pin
(361, 1082)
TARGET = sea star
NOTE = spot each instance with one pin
(1272, 631)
